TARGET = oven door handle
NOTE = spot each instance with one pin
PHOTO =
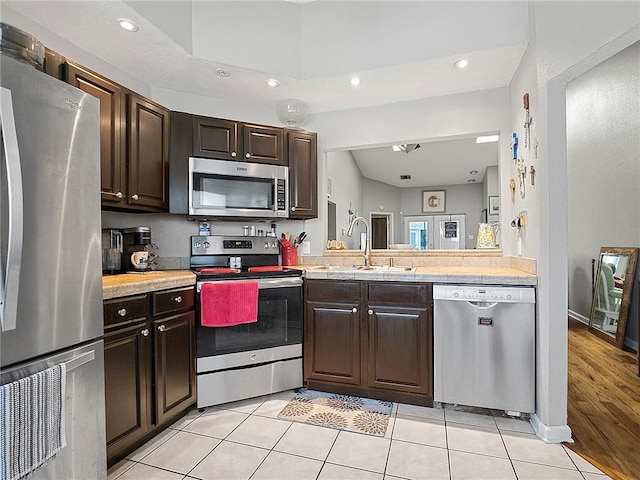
(264, 283)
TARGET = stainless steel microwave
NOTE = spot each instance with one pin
(219, 188)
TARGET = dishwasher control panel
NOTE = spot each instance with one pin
(480, 293)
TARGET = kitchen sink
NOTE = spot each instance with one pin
(334, 268)
(401, 269)
(375, 268)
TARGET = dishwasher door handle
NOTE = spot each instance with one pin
(482, 305)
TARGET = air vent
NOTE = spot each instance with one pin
(405, 177)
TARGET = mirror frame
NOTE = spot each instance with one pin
(618, 339)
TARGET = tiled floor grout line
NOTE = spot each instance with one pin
(324, 461)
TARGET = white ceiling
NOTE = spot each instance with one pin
(401, 50)
(436, 163)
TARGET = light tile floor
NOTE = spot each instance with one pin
(246, 440)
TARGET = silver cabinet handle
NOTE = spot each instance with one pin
(134, 196)
(248, 155)
(145, 332)
(370, 312)
(354, 310)
(122, 312)
(162, 328)
(293, 209)
(233, 154)
(178, 299)
(10, 277)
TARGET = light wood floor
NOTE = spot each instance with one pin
(604, 403)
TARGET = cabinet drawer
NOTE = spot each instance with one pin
(399, 293)
(124, 310)
(171, 301)
(333, 290)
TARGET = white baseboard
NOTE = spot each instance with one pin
(551, 434)
(577, 316)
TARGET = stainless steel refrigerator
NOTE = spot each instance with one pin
(50, 257)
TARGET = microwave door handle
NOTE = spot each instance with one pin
(10, 276)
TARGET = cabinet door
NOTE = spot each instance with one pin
(148, 125)
(400, 348)
(54, 64)
(216, 138)
(112, 131)
(174, 347)
(303, 174)
(127, 356)
(263, 144)
(332, 342)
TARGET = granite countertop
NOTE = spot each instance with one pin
(124, 284)
(436, 274)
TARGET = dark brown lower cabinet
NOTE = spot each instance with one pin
(371, 339)
(174, 364)
(149, 365)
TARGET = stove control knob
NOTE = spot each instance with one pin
(266, 244)
(274, 245)
(207, 244)
(198, 245)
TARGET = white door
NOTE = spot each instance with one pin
(449, 231)
(427, 232)
(418, 231)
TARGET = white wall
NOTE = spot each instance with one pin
(566, 39)
(603, 162)
(465, 199)
(407, 122)
(346, 192)
(378, 197)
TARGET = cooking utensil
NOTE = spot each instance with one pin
(287, 236)
(299, 239)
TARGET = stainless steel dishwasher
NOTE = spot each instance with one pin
(484, 346)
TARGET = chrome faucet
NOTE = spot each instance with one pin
(367, 248)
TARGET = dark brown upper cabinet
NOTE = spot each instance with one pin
(148, 154)
(112, 99)
(134, 144)
(302, 150)
(230, 140)
(54, 64)
(216, 138)
(263, 144)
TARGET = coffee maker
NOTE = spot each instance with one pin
(135, 239)
(111, 250)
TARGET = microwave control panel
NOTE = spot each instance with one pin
(281, 195)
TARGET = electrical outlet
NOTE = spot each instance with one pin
(306, 247)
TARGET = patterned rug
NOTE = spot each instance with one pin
(355, 414)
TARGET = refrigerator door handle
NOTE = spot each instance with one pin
(10, 277)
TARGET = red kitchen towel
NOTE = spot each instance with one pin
(224, 304)
(217, 270)
(266, 268)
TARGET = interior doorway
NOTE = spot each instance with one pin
(331, 221)
(381, 230)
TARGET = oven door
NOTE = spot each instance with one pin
(279, 324)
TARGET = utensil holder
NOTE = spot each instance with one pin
(289, 255)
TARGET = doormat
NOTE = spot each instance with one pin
(344, 412)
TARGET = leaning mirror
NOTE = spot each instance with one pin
(614, 277)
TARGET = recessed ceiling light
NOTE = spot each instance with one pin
(487, 138)
(128, 25)
(272, 82)
(355, 81)
(471, 180)
(473, 172)
(222, 72)
(464, 63)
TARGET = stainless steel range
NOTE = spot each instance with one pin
(251, 359)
